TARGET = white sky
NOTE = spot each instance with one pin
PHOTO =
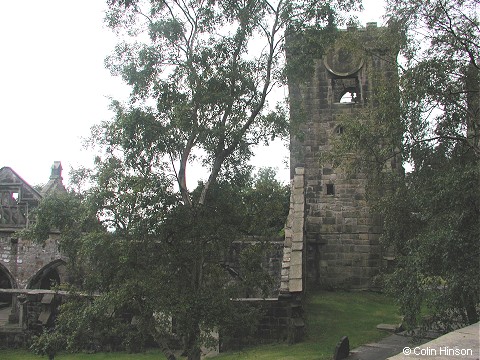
(54, 87)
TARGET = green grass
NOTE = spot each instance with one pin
(330, 315)
(25, 355)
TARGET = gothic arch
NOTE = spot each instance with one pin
(8, 276)
(7, 281)
(47, 275)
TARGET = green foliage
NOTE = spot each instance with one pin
(152, 354)
(306, 47)
(438, 258)
(150, 258)
(48, 343)
(71, 216)
(330, 316)
(437, 254)
(431, 213)
(64, 212)
(200, 77)
(267, 203)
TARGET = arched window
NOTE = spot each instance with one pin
(48, 277)
(349, 96)
(346, 90)
(6, 282)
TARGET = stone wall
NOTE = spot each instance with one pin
(32, 311)
(341, 233)
(13, 339)
(280, 317)
(292, 279)
(23, 260)
(279, 321)
(24, 263)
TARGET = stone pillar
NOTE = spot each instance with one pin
(292, 285)
(293, 256)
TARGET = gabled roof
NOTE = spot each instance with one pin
(17, 198)
(9, 179)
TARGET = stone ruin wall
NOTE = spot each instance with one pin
(282, 318)
(272, 262)
(293, 264)
(25, 259)
(341, 234)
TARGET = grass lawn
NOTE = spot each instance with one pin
(26, 355)
(330, 315)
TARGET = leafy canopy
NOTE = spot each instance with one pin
(431, 122)
(200, 74)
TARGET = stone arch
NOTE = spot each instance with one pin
(7, 281)
(6, 273)
(48, 276)
(350, 95)
(346, 90)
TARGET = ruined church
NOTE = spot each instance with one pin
(25, 264)
(331, 237)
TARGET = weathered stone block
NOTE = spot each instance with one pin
(298, 181)
(297, 245)
(296, 258)
(298, 226)
(295, 285)
(329, 221)
(295, 272)
(299, 207)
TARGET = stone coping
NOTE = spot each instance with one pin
(255, 299)
(42, 291)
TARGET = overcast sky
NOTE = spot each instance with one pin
(54, 86)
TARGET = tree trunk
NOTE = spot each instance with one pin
(192, 347)
(163, 344)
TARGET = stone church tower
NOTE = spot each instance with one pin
(341, 236)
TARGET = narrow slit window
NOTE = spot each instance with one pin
(330, 189)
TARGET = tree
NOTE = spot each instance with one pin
(200, 82)
(438, 260)
(134, 266)
(431, 214)
(69, 213)
(208, 86)
(267, 203)
(200, 73)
